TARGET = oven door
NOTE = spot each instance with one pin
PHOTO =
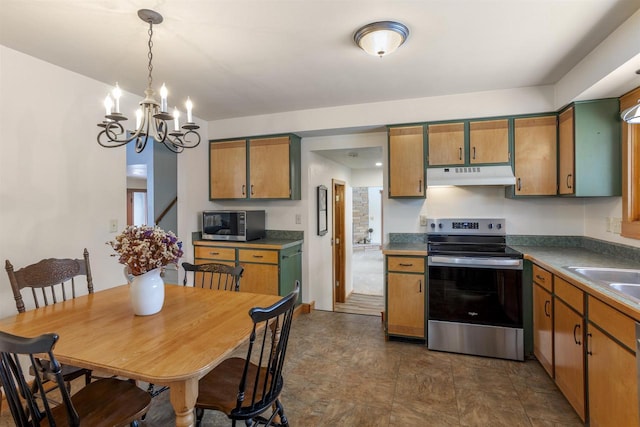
(475, 306)
(475, 290)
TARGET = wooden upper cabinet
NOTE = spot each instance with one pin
(535, 158)
(566, 174)
(489, 141)
(446, 144)
(269, 172)
(630, 170)
(228, 170)
(256, 168)
(590, 152)
(406, 162)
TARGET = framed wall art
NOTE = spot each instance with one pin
(322, 210)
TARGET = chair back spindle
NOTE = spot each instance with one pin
(17, 388)
(50, 280)
(267, 350)
(214, 276)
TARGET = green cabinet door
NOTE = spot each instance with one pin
(290, 270)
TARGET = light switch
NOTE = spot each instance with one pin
(298, 219)
(423, 220)
(113, 226)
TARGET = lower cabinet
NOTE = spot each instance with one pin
(271, 271)
(593, 347)
(611, 367)
(568, 336)
(543, 318)
(260, 274)
(405, 291)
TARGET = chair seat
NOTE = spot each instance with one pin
(218, 389)
(106, 402)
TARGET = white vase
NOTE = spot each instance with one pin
(146, 292)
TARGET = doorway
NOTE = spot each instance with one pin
(338, 238)
(367, 263)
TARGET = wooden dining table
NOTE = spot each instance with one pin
(195, 330)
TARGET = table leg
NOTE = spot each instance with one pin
(183, 397)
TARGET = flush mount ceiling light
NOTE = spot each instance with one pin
(632, 114)
(151, 116)
(381, 38)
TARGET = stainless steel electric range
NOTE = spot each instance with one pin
(474, 289)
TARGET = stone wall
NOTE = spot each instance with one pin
(360, 199)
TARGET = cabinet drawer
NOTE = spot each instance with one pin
(260, 256)
(543, 278)
(207, 252)
(405, 264)
(571, 295)
(613, 322)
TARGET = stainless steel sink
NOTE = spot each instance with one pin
(629, 289)
(608, 275)
(625, 281)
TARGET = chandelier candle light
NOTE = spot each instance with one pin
(151, 116)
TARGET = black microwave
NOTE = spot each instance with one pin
(233, 225)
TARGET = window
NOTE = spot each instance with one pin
(630, 170)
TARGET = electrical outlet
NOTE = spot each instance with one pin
(113, 226)
(423, 220)
(298, 219)
(617, 225)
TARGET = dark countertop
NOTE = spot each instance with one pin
(555, 259)
(419, 249)
(266, 243)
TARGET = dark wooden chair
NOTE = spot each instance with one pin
(50, 281)
(258, 377)
(106, 402)
(214, 276)
(207, 276)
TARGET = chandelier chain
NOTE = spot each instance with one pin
(151, 117)
(150, 55)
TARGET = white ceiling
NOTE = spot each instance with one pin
(355, 158)
(241, 58)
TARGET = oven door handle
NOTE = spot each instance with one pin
(478, 262)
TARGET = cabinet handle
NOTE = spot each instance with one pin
(420, 282)
(519, 185)
(540, 278)
(243, 188)
(405, 265)
(292, 255)
(214, 253)
(569, 180)
(589, 352)
(252, 193)
(576, 327)
(474, 153)
(419, 186)
(547, 303)
(460, 155)
(258, 256)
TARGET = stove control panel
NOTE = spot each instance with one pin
(487, 226)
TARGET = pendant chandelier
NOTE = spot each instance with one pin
(151, 117)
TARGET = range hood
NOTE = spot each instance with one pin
(471, 175)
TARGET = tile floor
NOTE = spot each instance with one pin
(341, 372)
